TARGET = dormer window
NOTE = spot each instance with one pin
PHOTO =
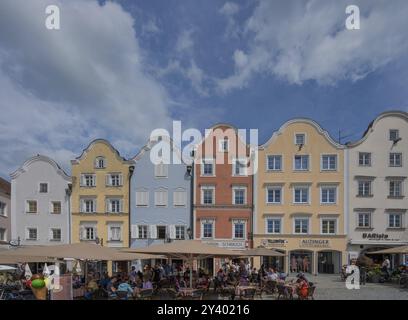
(300, 139)
(100, 163)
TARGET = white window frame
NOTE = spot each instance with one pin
(245, 167)
(96, 164)
(364, 195)
(183, 192)
(364, 157)
(176, 228)
(27, 208)
(336, 227)
(274, 162)
(83, 180)
(51, 231)
(207, 221)
(301, 187)
(234, 223)
(165, 192)
(144, 191)
(4, 230)
(308, 163)
(202, 195)
(221, 145)
(369, 214)
(161, 174)
(142, 229)
(393, 213)
(394, 154)
(329, 169)
(83, 205)
(115, 225)
(308, 225)
(39, 187)
(52, 202)
(393, 131)
(109, 178)
(336, 194)
(235, 188)
(208, 161)
(296, 134)
(94, 233)
(280, 219)
(28, 234)
(274, 188)
(401, 188)
(109, 207)
(3, 209)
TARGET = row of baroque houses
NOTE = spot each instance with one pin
(301, 193)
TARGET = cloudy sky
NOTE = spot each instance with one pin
(117, 70)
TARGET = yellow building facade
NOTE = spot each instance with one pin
(299, 207)
(100, 196)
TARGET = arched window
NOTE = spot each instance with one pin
(100, 163)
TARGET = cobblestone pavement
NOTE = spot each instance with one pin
(330, 287)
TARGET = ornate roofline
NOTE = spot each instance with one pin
(43, 158)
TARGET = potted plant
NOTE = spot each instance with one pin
(374, 275)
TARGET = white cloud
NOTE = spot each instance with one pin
(185, 42)
(229, 10)
(299, 41)
(150, 27)
(60, 89)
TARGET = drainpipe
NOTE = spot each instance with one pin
(131, 170)
(192, 222)
(68, 193)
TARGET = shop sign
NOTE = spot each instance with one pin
(314, 243)
(273, 242)
(227, 244)
(378, 237)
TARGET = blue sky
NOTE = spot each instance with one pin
(117, 70)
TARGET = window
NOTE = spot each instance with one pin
(56, 234)
(394, 220)
(31, 206)
(2, 234)
(302, 163)
(207, 168)
(180, 232)
(328, 226)
(43, 187)
(301, 225)
(100, 163)
(364, 220)
(142, 232)
(160, 170)
(207, 228)
(274, 195)
(239, 230)
(161, 232)
(239, 195)
(364, 159)
(207, 195)
(88, 180)
(88, 206)
(56, 207)
(273, 225)
(329, 162)
(300, 139)
(223, 145)
(301, 195)
(115, 233)
(364, 188)
(3, 211)
(395, 159)
(394, 135)
(396, 188)
(90, 233)
(239, 167)
(160, 198)
(328, 195)
(31, 233)
(114, 205)
(179, 198)
(114, 180)
(142, 198)
(274, 163)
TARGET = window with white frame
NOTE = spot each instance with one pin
(207, 195)
(89, 233)
(239, 167)
(142, 231)
(329, 162)
(273, 194)
(273, 225)
(31, 206)
(56, 207)
(395, 159)
(160, 198)
(3, 234)
(300, 194)
(364, 219)
(3, 211)
(115, 233)
(328, 194)
(207, 229)
(274, 162)
(180, 232)
(43, 187)
(114, 205)
(88, 180)
(394, 134)
(207, 167)
(32, 234)
(394, 220)
(301, 163)
(223, 145)
(142, 198)
(100, 163)
(88, 205)
(55, 234)
(238, 229)
(114, 180)
(395, 188)
(239, 195)
(300, 139)
(179, 198)
(161, 232)
(301, 225)
(161, 170)
(329, 226)
(364, 188)
(364, 159)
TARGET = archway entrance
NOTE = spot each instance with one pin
(277, 263)
(329, 262)
(301, 261)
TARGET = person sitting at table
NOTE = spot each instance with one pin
(302, 287)
(111, 287)
(271, 275)
(91, 288)
(125, 287)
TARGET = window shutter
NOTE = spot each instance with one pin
(108, 206)
(139, 198)
(152, 231)
(107, 180)
(81, 205)
(121, 179)
(82, 180)
(82, 233)
(110, 234)
(172, 228)
(134, 231)
(165, 170)
(27, 207)
(121, 205)
(165, 198)
(94, 180)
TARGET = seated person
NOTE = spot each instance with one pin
(272, 275)
(91, 288)
(111, 287)
(124, 286)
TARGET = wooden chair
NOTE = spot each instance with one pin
(248, 294)
(145, 294)
(310, 293)
(282, 291)
(173, 294)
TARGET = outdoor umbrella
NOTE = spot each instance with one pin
(15, 259)
(187, 250)
(395, 250)
(7, 268)
(261, 252)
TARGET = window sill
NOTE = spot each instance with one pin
(395, 197)
(31, 212)
(55, 240)
(360, 196)
(274, 170)
(364, 228)
(396, 228)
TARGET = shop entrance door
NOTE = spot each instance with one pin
(301, 261)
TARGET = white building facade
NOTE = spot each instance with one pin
(377, 179)
(40, 202)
